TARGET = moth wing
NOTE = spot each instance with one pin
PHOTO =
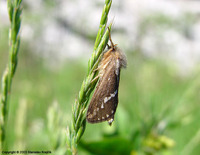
(105, 98)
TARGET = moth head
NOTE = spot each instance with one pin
(117, 52)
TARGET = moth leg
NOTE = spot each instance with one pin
(108, 46)
(95, 78)
(96, 69)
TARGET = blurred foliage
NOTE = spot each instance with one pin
(158, 111)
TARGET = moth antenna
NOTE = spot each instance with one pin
(112, 45)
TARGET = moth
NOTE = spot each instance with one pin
(104, 101)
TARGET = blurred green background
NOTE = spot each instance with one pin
(159, 99)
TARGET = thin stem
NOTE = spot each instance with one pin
(14, 11)
(78, 124)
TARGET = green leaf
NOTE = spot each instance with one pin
(110, 146)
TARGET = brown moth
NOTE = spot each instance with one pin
(105, 98)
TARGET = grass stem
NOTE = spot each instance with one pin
(14, 12)
(79, 108)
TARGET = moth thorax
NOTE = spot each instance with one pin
(121, 57)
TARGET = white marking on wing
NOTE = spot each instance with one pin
(110, 121)
(102, 106)
(113, 95)
(106, 99)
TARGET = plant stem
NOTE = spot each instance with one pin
(78, 124)
(14, 11)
